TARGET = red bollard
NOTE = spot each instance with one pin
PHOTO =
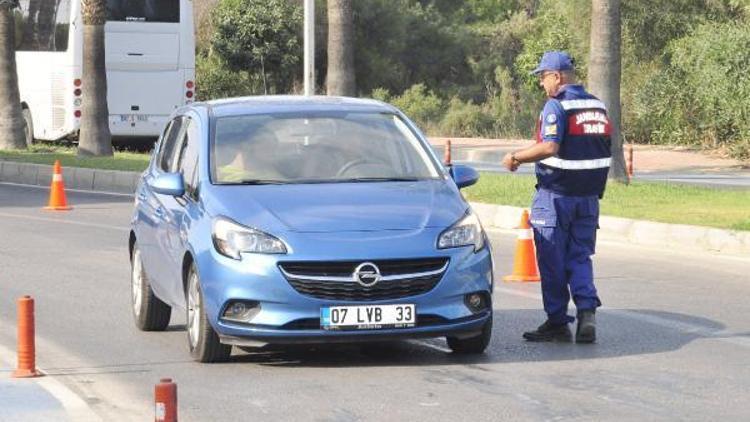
(447, 154)
(165, 401)
(629, 161)
(26, 347)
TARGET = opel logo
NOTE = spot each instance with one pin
(367, 274)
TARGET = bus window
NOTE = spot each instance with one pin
(42, 25)
(144, 10)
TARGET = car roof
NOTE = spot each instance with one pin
(292, 103)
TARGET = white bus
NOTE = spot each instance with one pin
(150, 60)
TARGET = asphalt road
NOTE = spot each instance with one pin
(674, 341)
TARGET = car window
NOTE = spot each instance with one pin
(169, 144)
(317, 147)
(188, 157)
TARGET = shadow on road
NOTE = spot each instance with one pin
(621, 333)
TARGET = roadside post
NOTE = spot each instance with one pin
(26, 344)
(165, 401)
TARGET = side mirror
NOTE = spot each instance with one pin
(464, 176)
(170, 184)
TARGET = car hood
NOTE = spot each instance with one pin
(340, 207)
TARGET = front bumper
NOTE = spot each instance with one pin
(463, 328)
(287, 316)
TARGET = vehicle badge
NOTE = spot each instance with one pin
(367, 274)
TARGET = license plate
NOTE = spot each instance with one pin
(370, 317)
(132, 118)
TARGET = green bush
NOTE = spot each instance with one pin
(262, 37)
(466, 119)
(421, 105)
(702, 97)
(214, 79)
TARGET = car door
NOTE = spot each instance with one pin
(149, 208)
(181, 212)
(166, 163)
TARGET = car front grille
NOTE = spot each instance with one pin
(335, 280)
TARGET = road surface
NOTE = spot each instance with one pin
(674, 341)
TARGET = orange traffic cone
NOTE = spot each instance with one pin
(57, 201)
(524, 264)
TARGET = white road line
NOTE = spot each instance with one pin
(76, 408)
(737, 339)
(93, 192)
(60, 220)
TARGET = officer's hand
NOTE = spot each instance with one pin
(509, 162)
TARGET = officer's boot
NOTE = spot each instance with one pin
(550, 332)
(586, 332)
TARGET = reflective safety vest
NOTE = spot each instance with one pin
(581, 165)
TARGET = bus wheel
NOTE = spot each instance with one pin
(29, 130)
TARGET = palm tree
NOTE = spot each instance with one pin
(95, 138)
(28, 39)
(11, 121)
(604, 73)
(341, 49)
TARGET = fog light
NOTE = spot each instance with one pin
(241, 311)
(476, 302)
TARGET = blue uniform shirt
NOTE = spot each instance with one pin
(578, 122)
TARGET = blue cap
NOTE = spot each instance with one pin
(555, 61)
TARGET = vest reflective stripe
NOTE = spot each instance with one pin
(582, 104)
(598, 163)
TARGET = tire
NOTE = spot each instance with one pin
(472, 345)
(149, 312)
(203, 341)
(29, 129)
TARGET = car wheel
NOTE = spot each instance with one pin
(202, 339)
(29, 129)
(150, 313)
(472, 345)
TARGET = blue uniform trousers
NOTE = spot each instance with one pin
(565, 237)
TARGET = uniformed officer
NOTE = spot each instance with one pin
(572, 156)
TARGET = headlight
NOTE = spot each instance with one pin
(467, 231)
(230, 239)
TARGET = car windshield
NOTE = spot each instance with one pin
(317, 148)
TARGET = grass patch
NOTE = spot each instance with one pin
(47, 154)
(663, 202)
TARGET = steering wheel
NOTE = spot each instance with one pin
(354, 163)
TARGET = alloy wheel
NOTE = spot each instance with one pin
(137, 283)
(193, 310)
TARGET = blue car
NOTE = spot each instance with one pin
(285, 220)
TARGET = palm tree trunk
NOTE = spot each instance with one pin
(341, 79)
(28, 39)
(95, 138)
(45, 25)
(11, 121)
(604, 73)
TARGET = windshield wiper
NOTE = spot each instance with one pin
(259, 182)
(381, 179)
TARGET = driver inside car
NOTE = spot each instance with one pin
(246, 158)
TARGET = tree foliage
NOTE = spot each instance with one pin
(701, 98)
(462, 66)
(261, 37)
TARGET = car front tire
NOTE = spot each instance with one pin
(203, 341)
(149, 312)
(472, 345)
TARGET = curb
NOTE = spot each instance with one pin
(75, 177)
(639, 232)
